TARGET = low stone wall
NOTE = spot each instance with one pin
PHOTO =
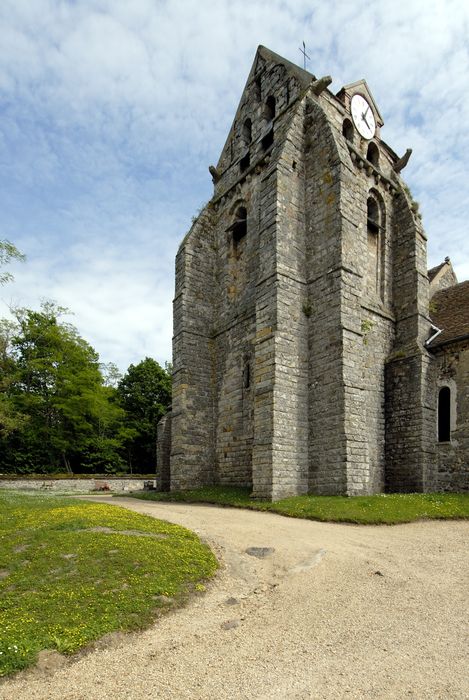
(97, 484)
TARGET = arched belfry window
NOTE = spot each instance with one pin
(372, 153)
(376, 246)
(444, 414)
(258, 88)
(239, 225)
(245, 162)
(268, 140)
(247, 132)
(347, 130)
(246, 373)
(269, 110)
(373, 215)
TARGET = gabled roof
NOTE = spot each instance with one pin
(432, 273)
(451, 313)
(302, 75)
(441, 276)
(361, 87)
(263, 57)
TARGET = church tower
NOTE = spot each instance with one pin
(301, 304)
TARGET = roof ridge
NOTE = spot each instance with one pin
(301, 73)
(451, 313)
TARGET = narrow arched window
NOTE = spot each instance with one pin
(347, 129)
(258, 88)
(269, 110)
(376, 246)
(373, 218)
(246, 374)
(239, 226)
(372, 153)
(268, 140)
(247, 132)
(245, 162)
(444, 414)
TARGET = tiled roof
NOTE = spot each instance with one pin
(450, 312)
(434, 271)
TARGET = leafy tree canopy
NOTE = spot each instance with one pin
(145, 390)
(145, 394)
(61, 409)
(55, 381)
(8, 253)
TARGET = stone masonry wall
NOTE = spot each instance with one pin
(234, 331)
(367, 317)
(377, 343)
(192, 451)
(252, 446)
(299, 359)
(264, 343)
(452, 369)
(410, 459)
(163, 453)
(234, 434)
(352, 324)
(224, 309)
(290, 410)
(98, 484)
(327, 470)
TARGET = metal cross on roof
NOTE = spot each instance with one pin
(305, 55)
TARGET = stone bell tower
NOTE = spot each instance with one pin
(301, 301)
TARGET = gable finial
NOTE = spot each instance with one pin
(305, 55)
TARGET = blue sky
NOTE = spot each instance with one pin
(111, 112)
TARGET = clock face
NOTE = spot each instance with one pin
(363, 116)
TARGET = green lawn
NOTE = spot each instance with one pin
(388, 509)
(71, 571)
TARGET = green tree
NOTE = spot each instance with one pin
(145, 394)
(111, 374)
(10, 418)
(8, 253)
(73, 421)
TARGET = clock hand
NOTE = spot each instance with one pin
(364, 119)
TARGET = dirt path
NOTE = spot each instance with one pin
(334, 611)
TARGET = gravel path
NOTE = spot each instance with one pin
(334, 611)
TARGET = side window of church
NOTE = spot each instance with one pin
(373, 215)
(246, 374)
(372, 153)
(444, 414)
(269, 108)
(375, 247)
(347, 130)
(247, 132)
(239, 226)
